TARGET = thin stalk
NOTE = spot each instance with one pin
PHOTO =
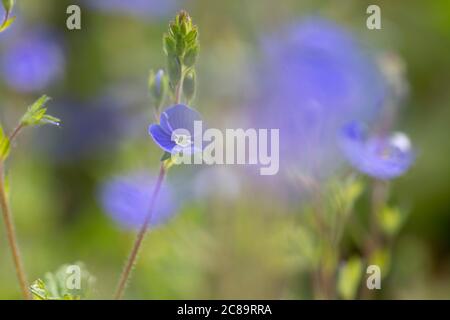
(15, 132)
(179, 88)
(126, 273)
(11, 235)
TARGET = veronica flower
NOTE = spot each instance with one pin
(379, 157)
(126, 199)
(175, 131)
(32, 62)
(316, 78)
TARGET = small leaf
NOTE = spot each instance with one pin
(55, 286)
(191, 56)
(36, 114)
(5, 25)
(349, 278)
(38, 290)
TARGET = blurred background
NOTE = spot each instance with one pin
(230, 234)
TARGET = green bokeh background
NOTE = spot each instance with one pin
(221, 249)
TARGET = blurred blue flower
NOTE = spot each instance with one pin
(138, 8)
(379, 157)
(175, 132)
(315, 79)
(126, 199)
(32, 61)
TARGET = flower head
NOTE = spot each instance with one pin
(316, 78)
(127, 200)
(175, 131)
(378, 157)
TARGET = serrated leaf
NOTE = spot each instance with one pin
(38, 290)
(36, 114)
(55, 286)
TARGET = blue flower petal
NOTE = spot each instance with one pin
(381, 158)
(162, 138)
(179, 117)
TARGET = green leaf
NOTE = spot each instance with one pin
(174, 69)
(6, 23)
(39, 290)
(57, 286)
(189, 85)
(349, 278)
(5, 145)
(36, 114)
(191, 56)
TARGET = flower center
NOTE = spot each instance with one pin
(182, 140)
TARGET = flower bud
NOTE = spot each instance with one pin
(189, 85)
(157, 84)
(8, 5)
(174, 69)
(191, 56)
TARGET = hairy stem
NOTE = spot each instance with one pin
(11, 235)
(140, 237)
(15, 132)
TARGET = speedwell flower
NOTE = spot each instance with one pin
(316, 78)
(379, 157)
(175, 131)
(32, 62)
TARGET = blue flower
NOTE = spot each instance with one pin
(315, 78)
(32, 62)
(379, 157)
(126, 199)
(175, 133)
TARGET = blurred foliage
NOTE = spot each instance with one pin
(257, 245)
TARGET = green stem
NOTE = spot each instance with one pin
(179, 88)
(15, 132)
(140, 237)
(11, 235)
